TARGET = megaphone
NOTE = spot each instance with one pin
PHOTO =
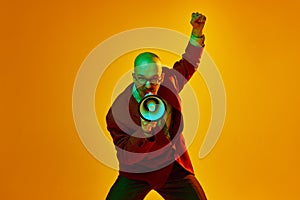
(152, 108)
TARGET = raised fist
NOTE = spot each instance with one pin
(198, 22)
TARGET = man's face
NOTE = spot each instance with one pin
(147, 77)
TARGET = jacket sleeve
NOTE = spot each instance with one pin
(189, 63)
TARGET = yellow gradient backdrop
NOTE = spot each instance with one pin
(255, 45)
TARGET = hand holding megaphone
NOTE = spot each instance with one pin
(147, 126)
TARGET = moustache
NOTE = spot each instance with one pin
(148, 90)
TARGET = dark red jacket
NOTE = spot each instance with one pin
(142, 158)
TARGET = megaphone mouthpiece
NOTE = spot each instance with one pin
(151, 106)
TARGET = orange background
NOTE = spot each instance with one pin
(254, 45)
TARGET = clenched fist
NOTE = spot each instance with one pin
(198, 22)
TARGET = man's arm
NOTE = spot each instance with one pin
(193, 52)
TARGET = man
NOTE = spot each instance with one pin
(152, 155)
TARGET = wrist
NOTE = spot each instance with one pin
(197, 41)
(197, 33)
(197, 36)
(147, 134)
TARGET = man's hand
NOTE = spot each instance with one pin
(147, 126)
(198, 22)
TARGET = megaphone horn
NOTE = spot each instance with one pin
(152, 108)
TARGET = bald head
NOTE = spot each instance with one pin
(146, 58)
(148, 64)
